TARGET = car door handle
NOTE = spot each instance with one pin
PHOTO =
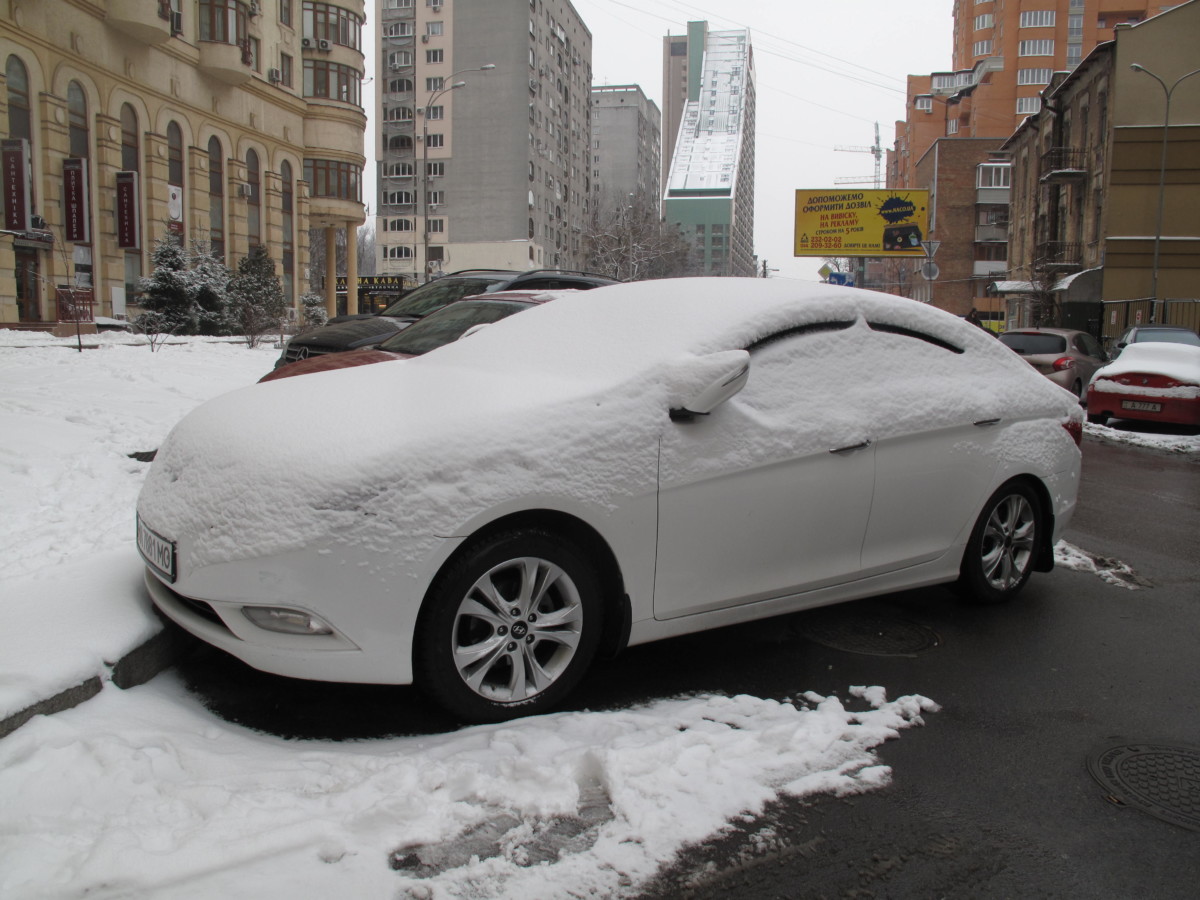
(982, 422)
(853, 447)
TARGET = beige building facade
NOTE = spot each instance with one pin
(217, 121)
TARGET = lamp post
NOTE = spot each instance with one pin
(448, 84)
(1162, 179)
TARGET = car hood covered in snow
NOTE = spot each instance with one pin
(562, 403)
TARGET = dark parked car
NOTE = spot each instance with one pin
(356, 332)
(440, 327)
(1171, 334)
(1068, 358)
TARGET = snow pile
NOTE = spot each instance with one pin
(1112, 571)
(141, 793)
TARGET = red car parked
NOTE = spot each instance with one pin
(1152, 381)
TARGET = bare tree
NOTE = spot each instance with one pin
(631, 242)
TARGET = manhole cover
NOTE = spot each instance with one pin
(1159, 779)
(873, 634)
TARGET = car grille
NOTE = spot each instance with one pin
(304, 351)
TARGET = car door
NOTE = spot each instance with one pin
(938, 418)
(770, 493)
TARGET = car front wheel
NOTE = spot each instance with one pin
(509, 628)
(1003, 545)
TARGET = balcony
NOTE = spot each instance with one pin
(1063, 165)
(130, 17)
(989, 268)
(229, 63)
(991, 232)
(1058, 255)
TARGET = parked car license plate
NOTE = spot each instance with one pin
(1142, 405)
(157, 551)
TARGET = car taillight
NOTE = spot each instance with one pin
(1074, 428)
(1063, 363)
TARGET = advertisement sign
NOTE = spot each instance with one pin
(129, 226)
(17, 207)
(174, 209)
(879, 223)
(76, 211)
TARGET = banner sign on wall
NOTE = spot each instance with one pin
(861, 223)
(76, 209)
(129, 224)
(17, 193)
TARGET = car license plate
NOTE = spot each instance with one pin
(157, 551)
(1142, 405)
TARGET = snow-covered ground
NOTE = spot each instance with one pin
(144, 793)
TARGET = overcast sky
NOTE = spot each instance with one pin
(827, 71)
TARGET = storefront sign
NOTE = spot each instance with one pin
(17, 193)
(129, 225)
(76, 207)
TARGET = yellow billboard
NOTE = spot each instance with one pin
(861, 223)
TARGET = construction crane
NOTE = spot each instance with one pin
(876, 151)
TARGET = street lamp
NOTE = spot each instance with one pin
(448, 84)
(1162, 179)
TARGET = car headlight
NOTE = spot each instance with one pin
(286, 621)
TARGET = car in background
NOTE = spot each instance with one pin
(435, 330)
(1154, 381)
(1169, 334)
(355, 332)
(1068, 358)
(617, 467)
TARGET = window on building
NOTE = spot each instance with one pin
(333, 178)
(130, 140)
(435, 140)
(982, 48)
(399, 142)
(434, 28)
(253, 199)
(332, 81)
(1037, 18)
(400, 86)
(397, 225)
(434, 84)
(434, 56)
(435, 198)
(223, 21)
(1075, 27)
(174, 155)
(1028, 105)
(398, 198)
(992, 175)
(285, 12)
(77, 121)
(398, 114)
(398, 170)
(437, 226)
(327, 22)
(216, 198)
(286, 70)
(399, 29)
(17, 87)
(399, 251)
(399, 59)
(287, 223)
(435, 169)
(1034, 76)
(435, 112)
(987, 20)
(397, 4)
(924, 104)
(1035, 48)
(952, 126)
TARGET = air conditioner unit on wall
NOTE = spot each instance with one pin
(324, 44)
(307, 43)
(274, 76)
(245, 189)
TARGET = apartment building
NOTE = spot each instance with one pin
(482, 136)
(1086, 174)
(626, 141)
(230, 122)
(708, 81)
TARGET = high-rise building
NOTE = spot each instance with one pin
(227, 122)
(626, 142)
(482, 135)
(709, 106)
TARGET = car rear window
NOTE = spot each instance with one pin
(436, 294)
(449, 324)
(1169, 335)
(1031, 343)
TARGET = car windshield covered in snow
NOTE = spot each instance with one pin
(449, 324)
(437, 294)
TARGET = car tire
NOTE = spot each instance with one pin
(1098, 418)
(1003, 546)
(1077, 389)
(509, 627)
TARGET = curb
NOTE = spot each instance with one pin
(136, 667)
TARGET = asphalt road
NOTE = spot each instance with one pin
(992, 797)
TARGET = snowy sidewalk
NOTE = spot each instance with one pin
(74, 609)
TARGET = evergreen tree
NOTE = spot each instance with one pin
(255, 297)
(167, 291)
(313, 310)
(210, 284)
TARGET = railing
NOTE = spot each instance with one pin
(1058, 253)
(1063, 163)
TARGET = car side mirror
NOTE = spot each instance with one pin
(705, 383)
(474, 329)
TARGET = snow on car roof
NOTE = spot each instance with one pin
(1178, 361)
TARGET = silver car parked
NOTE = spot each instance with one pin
(1068, 358)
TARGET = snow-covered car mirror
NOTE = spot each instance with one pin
(705, 383)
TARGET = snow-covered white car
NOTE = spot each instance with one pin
(1154, 381)
(622, 465)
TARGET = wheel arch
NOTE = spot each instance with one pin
(1043, 560)
(618, 613)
